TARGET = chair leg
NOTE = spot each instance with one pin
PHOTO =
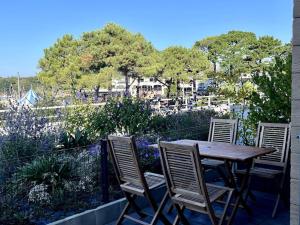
(121, 217)
(131, 200)
(170, 209)
(158, 214)
(280, 194)
(180, 214)
(276, 205)
(212, 216)
(155, 208)
(176, 221)
(223, 218)
(252, 196)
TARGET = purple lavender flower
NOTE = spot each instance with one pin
(94, 149)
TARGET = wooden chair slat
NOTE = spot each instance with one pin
(132, 181)
(185, 180)
(277, 136)
(223, 130)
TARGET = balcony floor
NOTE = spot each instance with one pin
(262, 211)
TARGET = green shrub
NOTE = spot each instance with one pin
(25, 134)
(50, 171)
(127, 116)
(188, 125)
(272, 100)
(78, 126)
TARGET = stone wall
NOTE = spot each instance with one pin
(295, 155)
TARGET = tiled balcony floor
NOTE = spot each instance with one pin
(262, 211)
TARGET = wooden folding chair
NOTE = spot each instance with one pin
(133, 182)
(185, 182)
(272, 166)
(221, 130)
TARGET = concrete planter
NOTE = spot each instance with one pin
(99, 216)
(107, 213)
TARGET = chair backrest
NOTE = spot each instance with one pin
(223, 130)
(125, 159)
(274, 135)
(182, 169)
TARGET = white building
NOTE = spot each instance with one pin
(149, 87)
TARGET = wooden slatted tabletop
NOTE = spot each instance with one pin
(224, 151)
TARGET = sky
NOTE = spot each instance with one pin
(28, 27)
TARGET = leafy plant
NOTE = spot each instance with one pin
(51, 171)
(192, 125)
(78, 126)
(25, 133)
(272, 101)
(127, 117)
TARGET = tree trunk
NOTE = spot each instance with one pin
(215, 67)
(177, 88)
(168, 91)
(96, 89)
(138, 88)
(194, 90)
(126, 94)
(177, 94)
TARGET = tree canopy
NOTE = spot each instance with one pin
(272, 100)
(95, 58)
(176, 65)
(238, 56)
(60, 64)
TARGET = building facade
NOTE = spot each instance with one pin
(148, 87)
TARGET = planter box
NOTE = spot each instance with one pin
(99, 216)
(110, 212)
(106, 213)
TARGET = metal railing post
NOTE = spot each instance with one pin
(104, 171)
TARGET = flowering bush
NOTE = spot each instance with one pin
(38, 194)
(148, 157)
(40, 180)
(25, 133)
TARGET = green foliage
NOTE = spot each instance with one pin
(10, 84)
(60, 64)
(179, 64)
(128, 116)
(78, 126)
(51, 171)
(114, 46)
(25, 133)
(272, 100)
(86, 124)
(239, 54)
(95, 58)
(187, 125)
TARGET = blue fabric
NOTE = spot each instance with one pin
(30, 98)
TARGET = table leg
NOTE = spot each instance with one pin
(233, 184)
(240, 192)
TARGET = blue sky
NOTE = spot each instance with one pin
(28, 27)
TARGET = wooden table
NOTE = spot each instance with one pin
(229, 153)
